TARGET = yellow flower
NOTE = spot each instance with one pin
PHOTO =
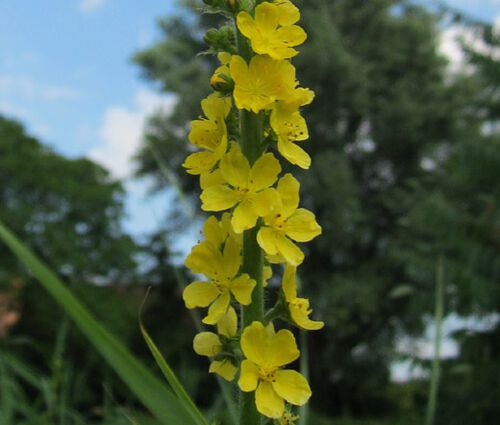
(298, 307)
(209, 134)
(266, 352)
(246, 187)
(258, 85)
(210, 345)
(287, 223)
(222, 269)
(216, 232)
(268, 35)
(290, 127)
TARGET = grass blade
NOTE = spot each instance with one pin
(169, 374)
(147, 388)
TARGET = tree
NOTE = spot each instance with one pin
(384, 109)
(67, 210)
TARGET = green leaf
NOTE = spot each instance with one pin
(148, 389)
(169, 374)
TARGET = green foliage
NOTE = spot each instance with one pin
(68, 209)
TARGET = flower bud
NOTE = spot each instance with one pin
(222, 39)
(222, 83)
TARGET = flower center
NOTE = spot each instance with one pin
(221, 284)
(278, 221)
(267, 373)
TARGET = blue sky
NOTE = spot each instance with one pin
(65, 72)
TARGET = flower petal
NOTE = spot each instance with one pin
(249, 376)
(289, 13)
(244, 216)
(293, 153)
(199, 294)
(292, 386)
(231, 257)
(213, 232)
(228, 324)
(205, 134)
(264, 202)
(216, 107)
(246, 25)
(301, 316)
(235, 167)
(223, 368)
(290, 252)
(199, 162)
(267, 273)
(205, 258)
(290, 283)
(207, 344)
(302, 226)
(288, 190)
(267, 16)
(291, 35)
(217, 309)
(267, 240)
(254, 343)
(268, 402)
(219, 198)
(282, 348)
(213, 178)
(242, 288)
(264, 172)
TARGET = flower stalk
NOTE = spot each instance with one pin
(255, 86)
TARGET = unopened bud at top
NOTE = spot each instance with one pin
(222, 39)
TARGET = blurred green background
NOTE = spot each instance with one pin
(406, 170)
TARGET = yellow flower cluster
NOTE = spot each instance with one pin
(255, 78)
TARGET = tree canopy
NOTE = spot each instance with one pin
(68, 210)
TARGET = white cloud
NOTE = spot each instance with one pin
(456, 35)
(90, 5)
(122, 128)
(27, 87)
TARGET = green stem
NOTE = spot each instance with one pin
(251, 137)
(253, 259)
(438, 319)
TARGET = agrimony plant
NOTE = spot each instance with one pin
(252, 118)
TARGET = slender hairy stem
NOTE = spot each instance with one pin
(438, 319)
(251, 136)
(253, 260)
